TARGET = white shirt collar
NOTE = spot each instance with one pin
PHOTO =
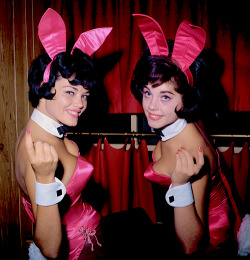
(47, 123)
(173, 129)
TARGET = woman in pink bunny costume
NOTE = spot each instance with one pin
(49, 169)
(201, 211)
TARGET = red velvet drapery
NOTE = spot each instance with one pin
(241, 169)
(239, 165)
(228, 37)
(120, 173)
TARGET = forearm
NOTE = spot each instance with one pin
(188, 227)
(48, 230)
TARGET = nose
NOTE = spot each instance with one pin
(154, 104)
(79, 102)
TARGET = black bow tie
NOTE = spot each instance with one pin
(62, 129)
(158, 132)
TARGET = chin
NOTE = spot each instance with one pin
(159, 124)
(155, 125)
(73, 125)
(70, 124)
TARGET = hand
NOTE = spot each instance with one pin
(186, 167)
(43, 159)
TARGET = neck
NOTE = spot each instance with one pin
(174, 129)
(47, 123)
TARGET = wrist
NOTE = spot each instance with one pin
(176, 184)
(180, 196)
(45, 180)
(50, 193)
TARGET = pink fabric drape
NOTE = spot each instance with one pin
(120, 173)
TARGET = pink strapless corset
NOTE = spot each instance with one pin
(155, 177)
(221, 205)
(81, 219)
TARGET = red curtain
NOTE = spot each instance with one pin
(241, 171)
(228, 37)
(239, 165)
(142, 188)
(120, 174)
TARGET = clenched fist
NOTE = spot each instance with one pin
(186, 166)
(43, 159)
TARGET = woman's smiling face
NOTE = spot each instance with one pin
(68, 103)
(159, 104)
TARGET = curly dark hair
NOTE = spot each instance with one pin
(64, 64)
(158, 69)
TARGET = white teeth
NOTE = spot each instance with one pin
(73, 113)
(155, 116)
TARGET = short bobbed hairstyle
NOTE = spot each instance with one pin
(64, 64)
(158, 69)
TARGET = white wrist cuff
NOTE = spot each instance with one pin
(49, 194)
(180, 196)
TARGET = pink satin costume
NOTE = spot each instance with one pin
(81, 219)
(221, 204)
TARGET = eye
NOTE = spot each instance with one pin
(85, 96)
(70, 92)
(164, 98)
(146, 93)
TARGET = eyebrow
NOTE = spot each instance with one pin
(163, 91)
(166, 92)
(76, 89)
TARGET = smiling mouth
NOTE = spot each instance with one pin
(154, 117)
(73, 113)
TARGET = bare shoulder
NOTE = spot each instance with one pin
(21, 161)
(199, 139)
(194, 135)
(20, 151)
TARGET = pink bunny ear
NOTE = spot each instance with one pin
(153, 34)
(90, 41)
(189, 42)
(52, 34)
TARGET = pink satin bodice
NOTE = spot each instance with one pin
(221, 204)
(81, 219)
(161, 179)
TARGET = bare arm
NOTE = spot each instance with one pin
(189, 220)
(42, 162)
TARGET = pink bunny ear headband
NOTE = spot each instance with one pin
(189, 42)
(52, 34)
